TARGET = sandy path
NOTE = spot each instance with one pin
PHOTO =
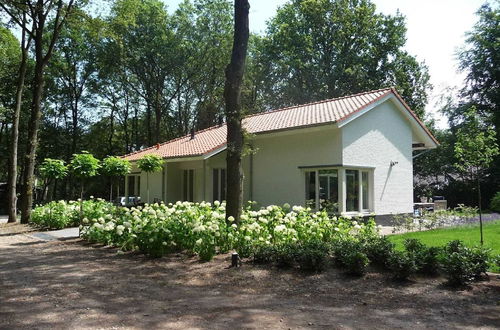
(73, 285)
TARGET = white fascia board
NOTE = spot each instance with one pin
(429, 142)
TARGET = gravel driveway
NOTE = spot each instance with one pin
(73, 285)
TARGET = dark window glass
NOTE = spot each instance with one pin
(215, 184)
(191, 185)
(328, 190)
(223, 184)
(131, 185)
(364, 184)
(185, 185)
(311, 189)
(352, 190)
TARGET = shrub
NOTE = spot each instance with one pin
(356, 262)
(201, 228)
(495, 202)
(62, 214)
(462, 264)
(426, 258)
(402, 264)
(378, 249)
(348, 253)
(312, 255)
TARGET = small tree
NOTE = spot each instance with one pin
(52, 170)
(475, 149)
(84, 166)
(115, 167)
(150, 164)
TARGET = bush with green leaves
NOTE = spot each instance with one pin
(378, 249)
(349, 254)
(426, 258)
(461, 264)
(201, 228)
(62, 214)
(402, 264)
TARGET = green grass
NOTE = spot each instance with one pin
(469, 234)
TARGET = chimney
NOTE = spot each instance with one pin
(192, 133)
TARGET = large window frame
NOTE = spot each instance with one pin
(363, 200)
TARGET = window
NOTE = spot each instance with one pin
(188, 185)
(352, 190)
(219, 184)
(328, 190)
(323, 187)
(134, 185)
(326, 195)
(365, 192)
(311, 189)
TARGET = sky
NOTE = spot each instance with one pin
(435, 31)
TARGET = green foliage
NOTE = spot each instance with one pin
(476, 144)
(150, 164)
(426, 258)
(115, 166)
(53, 169)
(349, 253)
(378, 249)
(84, 165)
(296, 235)
(462, 264)
(402, 264)
(495, 202)
(62, 214)
(336, 48)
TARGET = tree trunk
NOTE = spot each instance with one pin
(480, 209)
(12, 173)
(33, 125)
(232, 96)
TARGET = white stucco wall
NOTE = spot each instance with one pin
(277, 178)
(375, 139)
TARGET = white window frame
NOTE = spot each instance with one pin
(342, 199)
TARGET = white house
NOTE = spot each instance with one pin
(351, 154)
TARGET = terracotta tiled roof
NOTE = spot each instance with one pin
(317, 113)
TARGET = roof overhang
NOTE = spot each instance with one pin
(424, 138)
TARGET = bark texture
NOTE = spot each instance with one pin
(14, 143)
(232, 96)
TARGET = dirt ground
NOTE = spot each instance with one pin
(73, 285)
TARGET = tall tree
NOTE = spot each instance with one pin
(39, 12)
(333, 48)
(18, 14)
(232, 96)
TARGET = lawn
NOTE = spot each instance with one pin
(469, 234)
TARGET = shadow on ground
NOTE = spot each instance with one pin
(72, 284)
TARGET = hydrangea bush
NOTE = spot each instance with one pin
(62, 214)
(157, 229)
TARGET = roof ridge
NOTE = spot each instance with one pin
(319, 102)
